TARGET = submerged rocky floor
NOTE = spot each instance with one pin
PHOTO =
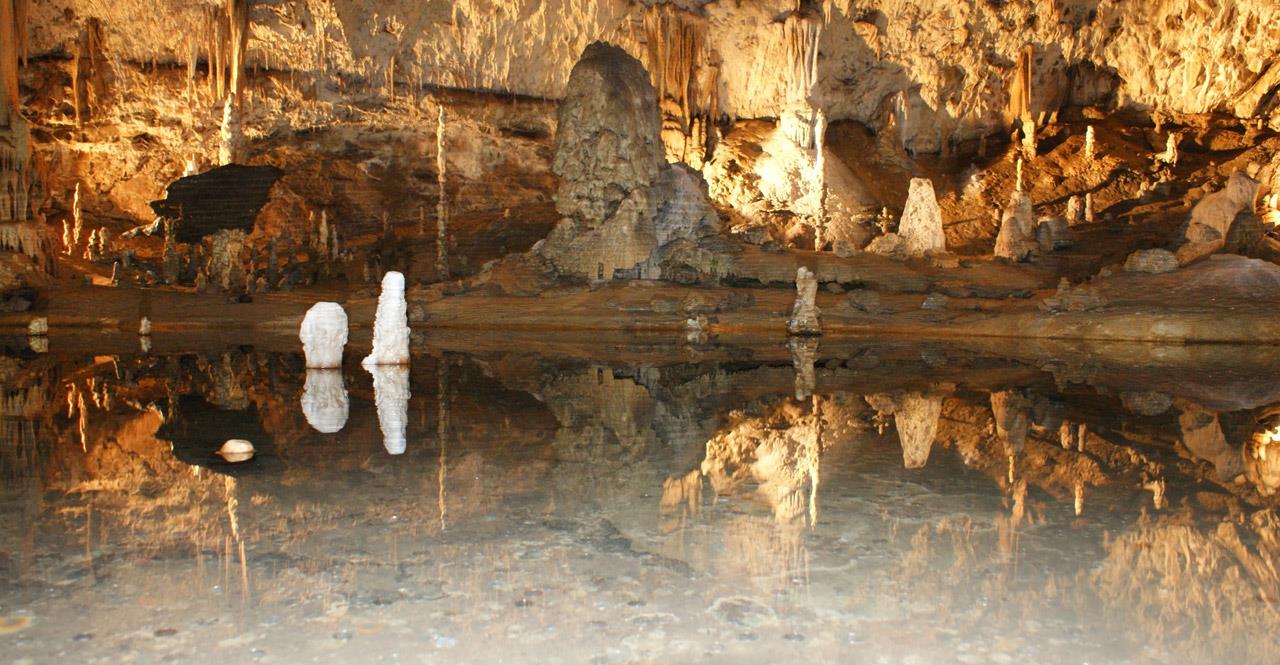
(648, 501)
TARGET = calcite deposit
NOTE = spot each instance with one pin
(390, 325)
(324, 335)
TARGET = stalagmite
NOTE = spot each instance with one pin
(324, 335)
(921, 224)
(1017, 178)
(324, 400)
(442, 212)
(1029, 137)
(916, 420)
(805, 315)
(1170, 154)
(1088, 208)
(1089, 146)
(103, 246)
(91, 246)
(391, 397)
(1017, 237)
(804, 353)
(38, 327)
(391, 325)
(77, 217)
(1075, 210)
(230, 136)
(68, 242)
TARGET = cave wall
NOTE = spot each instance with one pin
(954, 62)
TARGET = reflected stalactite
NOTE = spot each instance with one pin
(391, 397)
(324, 400)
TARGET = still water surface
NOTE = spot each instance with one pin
(856, 503)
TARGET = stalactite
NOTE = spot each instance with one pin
(15, 139)
(1020, 88)
(88, 72)
(238, 39)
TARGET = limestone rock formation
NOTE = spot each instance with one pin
(324, 335)
(231, 135)
(390, 325)
(1054, 234)
(921, 225)
(804, 312)
(324, 400)
(1212, 217)
(391, 397)
(619, 199)
(1017, 238)
(1153, 261)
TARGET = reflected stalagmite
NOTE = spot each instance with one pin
(1262, 461)
(916, 420)
(804, 353)
(1202, 435)
(804, 312)
(391, 396)
(1012, 413)
(324, 400)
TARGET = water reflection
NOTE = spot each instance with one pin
(807, 498)
(324, 400)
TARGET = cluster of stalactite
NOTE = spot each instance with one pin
(802, 31)
(685, 73)
(15, 140)
(88, 71)
(226, 36)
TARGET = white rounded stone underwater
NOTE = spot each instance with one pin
(324, 335)
(236, 450)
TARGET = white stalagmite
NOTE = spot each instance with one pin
(391, 396)
(324, 335)
(921, 225)
(77, 218)
(68, 243)
(390, 324)
(1089, 146)
(1017, 178)
(1170, 154)
(144, 327)
(324, 400)
(231, 136)
(1088, 207)
(1029, 136)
